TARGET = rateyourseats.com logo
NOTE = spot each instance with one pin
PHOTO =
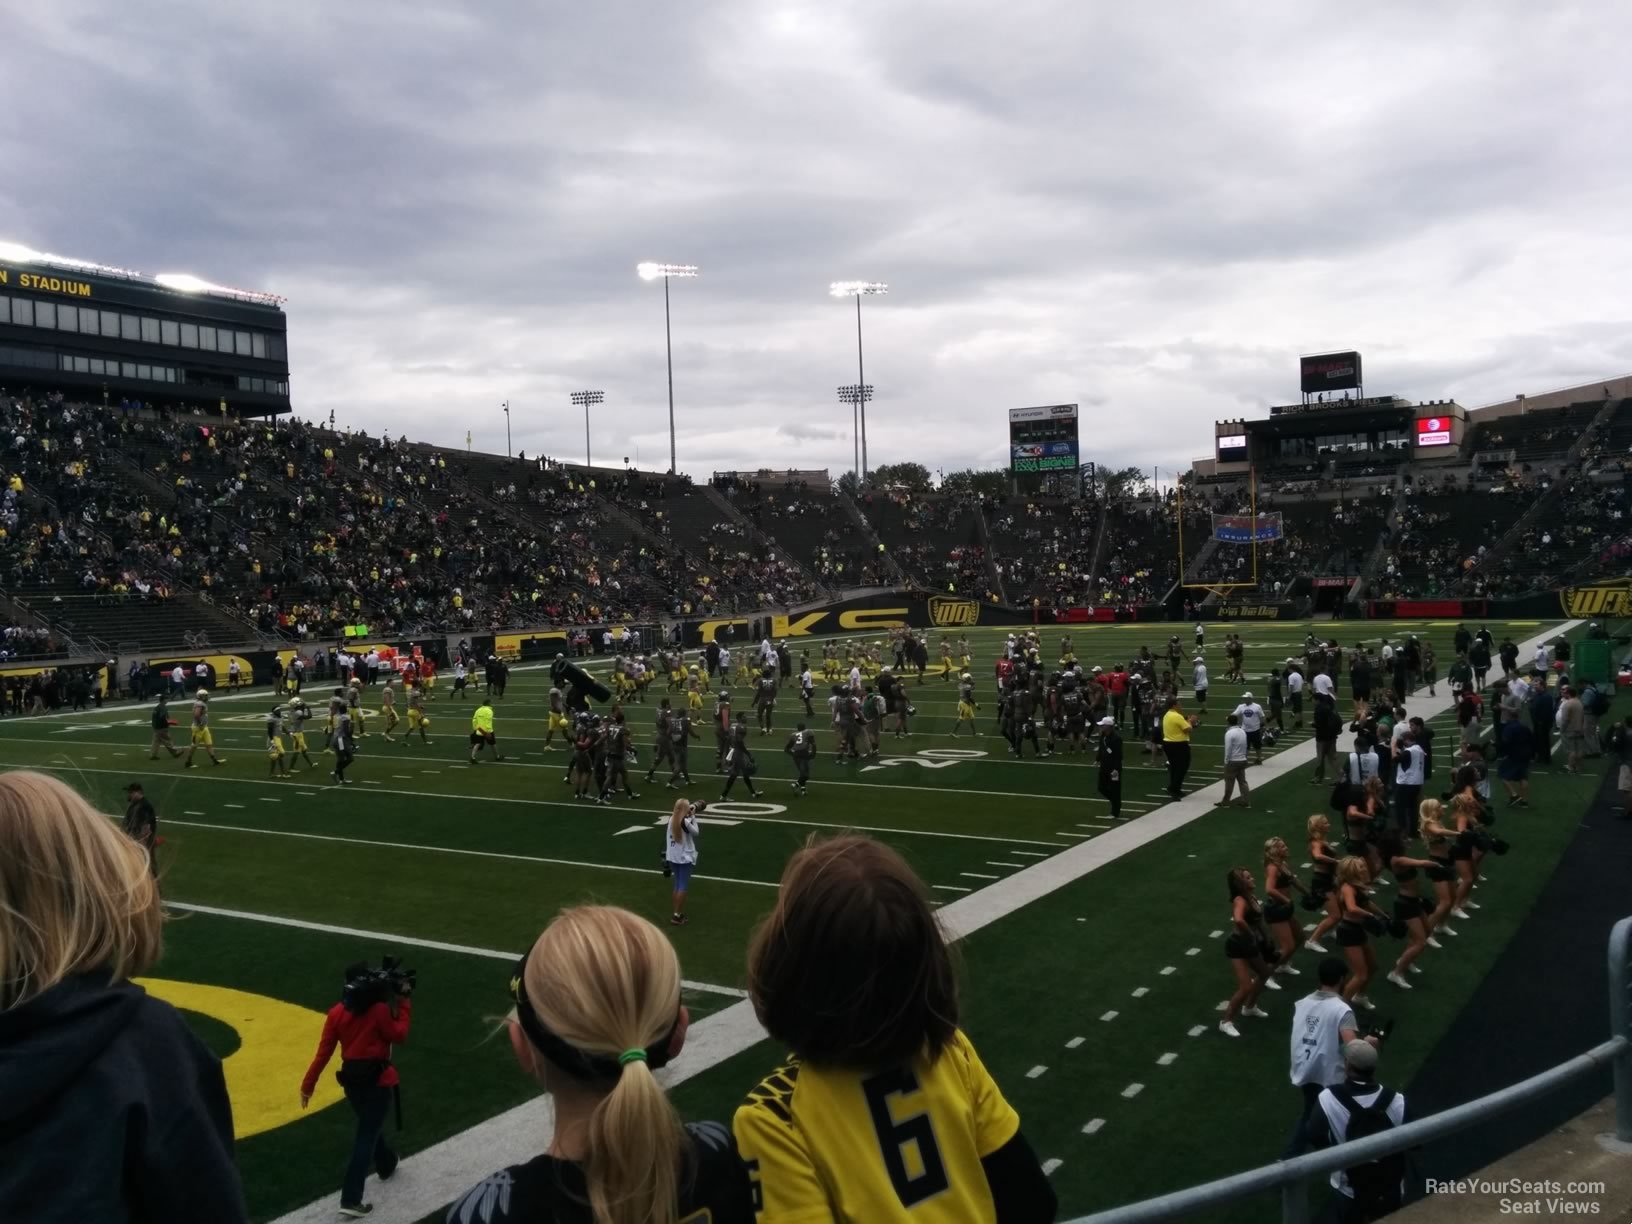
(1514, 1196)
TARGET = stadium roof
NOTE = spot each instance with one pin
(177, 282)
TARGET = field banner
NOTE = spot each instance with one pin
(1239, 529)
(1607, 599)
(1269, 611)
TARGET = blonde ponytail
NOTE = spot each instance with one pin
(607, 983)
(677, 818)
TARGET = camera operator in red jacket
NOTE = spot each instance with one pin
(371, 1017)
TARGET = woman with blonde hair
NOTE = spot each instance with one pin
(110, 1108)
(1322, 880)
(597, 1013)
(680, 853)
(1279, 914)
(1360, 916)
(1441, 841)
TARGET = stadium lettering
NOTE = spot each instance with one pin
(50, 284)
(1600, 599)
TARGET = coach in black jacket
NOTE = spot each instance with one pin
(1109, 756)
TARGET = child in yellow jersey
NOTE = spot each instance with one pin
(388, 709)
(884, 1112)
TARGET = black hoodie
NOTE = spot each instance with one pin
(112, 1111)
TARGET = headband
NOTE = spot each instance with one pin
(575, 1062)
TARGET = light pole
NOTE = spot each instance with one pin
(651, 271)
(859, 290)
(586, 398)
(506, 407)
(856, 395)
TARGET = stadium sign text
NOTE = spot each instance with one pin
(949, 613)
(44, 284)
(1251, 612)
(1599, 599)
(827, 620)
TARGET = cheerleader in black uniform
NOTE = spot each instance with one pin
(1362, 824)
(1465, 820)
(1353, 932)
(1279, 915)
(1441, 841)
(1244, 947)
(1467, 786)
(1323, 881)
(1409, 906)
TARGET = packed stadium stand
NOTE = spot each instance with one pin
(126, 526)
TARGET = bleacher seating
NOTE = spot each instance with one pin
(1538, 436)
(1443, 536)
(936, 540)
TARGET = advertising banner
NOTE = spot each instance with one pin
(1329, 372)
(1271, 611)
(1239, 528)
(1433, 431)
(1599, 599)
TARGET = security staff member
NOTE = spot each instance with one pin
(142, 824)
(365, 1027)
(1109, 756)
(1176, 729)
(1322, 1024)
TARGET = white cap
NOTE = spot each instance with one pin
(1107, 722)
(1246, 696)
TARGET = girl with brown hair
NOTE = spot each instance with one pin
(597, 1013)
(884, 1103)
(110, 1107)
(1441, 841)
(1409, 906)
(1244, 947)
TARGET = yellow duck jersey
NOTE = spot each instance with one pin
(903, 1144)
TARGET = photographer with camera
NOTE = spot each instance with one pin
(372, 1016)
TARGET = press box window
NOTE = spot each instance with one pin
(189, 335)
(242, 339)
(257, 343)
(110, 323)
(68, 318)
(150, 331)
(87, 321)
(44, 316)
(206, 339)
(22, 312)
(5, 309)
(169, 332)
(130, 327)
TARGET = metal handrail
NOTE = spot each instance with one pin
(1290, 1176)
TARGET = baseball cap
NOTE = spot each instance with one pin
(1360, 1056)
(1246, 696)
(1107, 722)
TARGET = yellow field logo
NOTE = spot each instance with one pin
(949, 613)
(1600, 599)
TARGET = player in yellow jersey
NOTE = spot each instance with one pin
(354, 697)
(946, 658)
(963, 652)
(694, 692)
(295, 715)
(677, 671)
(277, 765)
(744, 674)
(201, 737)
(558, 721)
(884, 1113)
(388, 708)
(417, 721)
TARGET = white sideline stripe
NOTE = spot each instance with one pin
(436, 945)
(1095, 1125)
(444, 1171)
(492, 854)
(1036, 1071)
(953, 888)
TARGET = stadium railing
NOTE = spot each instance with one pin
(1290, 1177)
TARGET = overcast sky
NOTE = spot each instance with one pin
(1146, 209)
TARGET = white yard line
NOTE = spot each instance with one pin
(410, 941)
(442, 1172)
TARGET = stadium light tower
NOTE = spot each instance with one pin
(586, 398)
(859, 290)
(506, 407)
(856, 396)
(651, 271)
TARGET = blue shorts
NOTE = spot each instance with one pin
(682, 875)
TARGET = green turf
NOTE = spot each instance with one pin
(483, 856)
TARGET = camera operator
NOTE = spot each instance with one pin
(1356, 1109)
(1322, 1024)
(371, 1017)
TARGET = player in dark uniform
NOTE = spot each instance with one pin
(681, 733)
(765, 699)
(722, 729)
(618, 752)
(662, 746)
(739, 760)
(1074, 717)
(801, 746)
(582, 772)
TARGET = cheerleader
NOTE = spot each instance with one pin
(1409, 906)
(1244, 948)
(1352, 936)
(1441, 840)
(1465, 820)
(1323, 883)
(1279, 883)
(1362, 824)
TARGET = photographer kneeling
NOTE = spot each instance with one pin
(371, 1017)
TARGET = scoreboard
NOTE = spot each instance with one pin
(1043, 440)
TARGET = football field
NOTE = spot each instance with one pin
(1093, 959)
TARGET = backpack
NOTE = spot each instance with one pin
(1376, 1184)
(1598, 704)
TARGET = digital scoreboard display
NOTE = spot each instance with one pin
(1433, 431)
(1044, 439)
